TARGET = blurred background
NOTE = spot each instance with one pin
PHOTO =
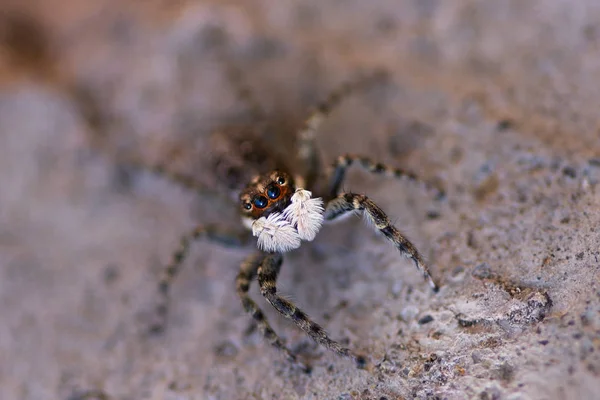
(497, 101)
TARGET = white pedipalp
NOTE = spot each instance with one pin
(283, 232)
(305, 214)
(275, 234)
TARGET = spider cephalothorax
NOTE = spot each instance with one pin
(266, 194)
(281, 213)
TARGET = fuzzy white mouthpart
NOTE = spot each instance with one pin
(305, 214)
(275, 234)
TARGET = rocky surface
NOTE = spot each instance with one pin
(497, 101)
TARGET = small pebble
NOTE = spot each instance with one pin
(570, 172)
(504, 124)
(482, 271)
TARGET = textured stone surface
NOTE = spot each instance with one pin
(496, 100)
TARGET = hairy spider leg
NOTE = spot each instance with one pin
(211, 232)
(347, 202)
(247, 273)
(96, 121)
(307, 154)
(267, 279)
(162, 169)
(342, 163)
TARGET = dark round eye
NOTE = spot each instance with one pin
(273, 192)
(281, 180)
(260, 201)
(247, 206)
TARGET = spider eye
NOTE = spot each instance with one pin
(260, 201)
(281, 180)
(247, 206)
(273, 192)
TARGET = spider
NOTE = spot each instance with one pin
(277, 207)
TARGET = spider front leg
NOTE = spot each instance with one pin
(307, 154)
(247, 272)
(267, 279)
(347, 202)
(344, 162)
(160, 168)
(169, 273)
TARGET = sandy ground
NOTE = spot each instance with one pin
(498, 101)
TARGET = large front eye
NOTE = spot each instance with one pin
(273, 191)
(260, 201)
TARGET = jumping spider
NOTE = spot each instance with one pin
(278, 208)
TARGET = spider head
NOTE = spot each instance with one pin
(267, 193)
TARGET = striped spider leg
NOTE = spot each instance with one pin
(342, 203)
